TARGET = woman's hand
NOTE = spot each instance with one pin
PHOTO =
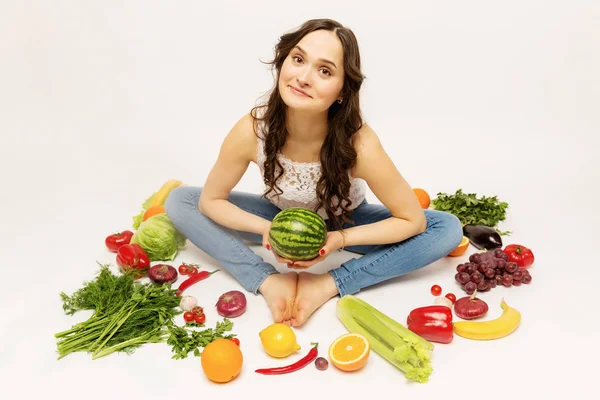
(267, 245)
(333, 242)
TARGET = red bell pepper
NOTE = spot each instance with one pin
(433, 323)
(133, 257)
(519, 254)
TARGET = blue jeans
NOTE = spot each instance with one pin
(377, 263)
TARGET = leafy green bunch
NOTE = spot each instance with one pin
(471, 209)
(127, 314)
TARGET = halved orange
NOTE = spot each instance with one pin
(152, 211)
(349, 352)
(462, 247)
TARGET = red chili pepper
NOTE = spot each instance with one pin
(519, 254)
(303, 362)
(433, 323)
(197, 277)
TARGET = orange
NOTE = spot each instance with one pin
(423, 197)
(462, 247)
(221, 360)
(152, 211)
(349, 352)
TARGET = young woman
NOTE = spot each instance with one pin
(314, 151)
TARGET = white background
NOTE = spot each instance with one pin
(101, 102)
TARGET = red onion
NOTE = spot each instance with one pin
(470, 307)
(162, 273)
(231, 304)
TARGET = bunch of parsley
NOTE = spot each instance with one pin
(471, 209)
(185, 340)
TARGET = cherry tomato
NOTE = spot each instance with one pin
(187, 269)
(451, 297)
(436, 290)
(197, 310)
(188, 316)
(200, 319)
(235, 340)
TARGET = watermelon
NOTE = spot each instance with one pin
(298, 233)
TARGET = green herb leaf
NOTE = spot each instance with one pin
(470, 209)
(185, 340)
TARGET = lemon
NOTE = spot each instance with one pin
(279, 340)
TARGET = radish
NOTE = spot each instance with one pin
(162, 273)
(231, 304)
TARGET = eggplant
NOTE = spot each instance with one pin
(482, 237)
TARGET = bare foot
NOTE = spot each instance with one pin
(313, 291)
(279, 291)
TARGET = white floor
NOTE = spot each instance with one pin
(86, 148)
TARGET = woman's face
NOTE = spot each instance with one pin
(312, 75)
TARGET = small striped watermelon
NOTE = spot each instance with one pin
(297, 233)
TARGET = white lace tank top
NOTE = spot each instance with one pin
(299, 182)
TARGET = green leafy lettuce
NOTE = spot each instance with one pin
(137, 219)
(159, 238)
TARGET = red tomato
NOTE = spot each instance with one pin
(436, 290)
(188, 316)
(200, 319)
(187, 269)
(451, 297)
(116, 240)
(520, 255)
(197, 310)
(235, 340)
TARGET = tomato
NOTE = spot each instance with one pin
(197, 310)
(451, 297)
(116, 240)
(188, 316)
(132, 256)
(187, 269)
(200, 318)
(520, 255)
(235, 340)
(436, 290)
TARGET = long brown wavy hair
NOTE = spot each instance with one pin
(344, 120)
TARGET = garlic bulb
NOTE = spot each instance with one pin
(443, 301)
(188, 302)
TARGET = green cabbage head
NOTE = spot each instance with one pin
(159, 238)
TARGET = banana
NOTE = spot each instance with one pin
(498, 328)
(161, 196)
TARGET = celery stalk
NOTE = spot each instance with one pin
(368, 321)
(396, 346)
(418, 374)
(400, 329)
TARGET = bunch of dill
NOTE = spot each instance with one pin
(127, 314)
